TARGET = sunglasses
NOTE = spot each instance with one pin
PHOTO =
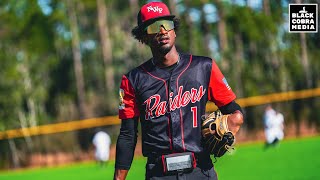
(155, 27)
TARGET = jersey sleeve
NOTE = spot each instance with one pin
(219, 90)
(128, 107)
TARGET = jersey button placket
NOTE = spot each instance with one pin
(172, 84)
(175, 122)
(175, 118)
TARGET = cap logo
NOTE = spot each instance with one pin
(154, 9)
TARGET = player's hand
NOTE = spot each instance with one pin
(235, 120)
(120, 174)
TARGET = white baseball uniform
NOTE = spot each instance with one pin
(102, 141)
(273, 125)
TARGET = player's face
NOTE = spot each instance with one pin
(163, 40)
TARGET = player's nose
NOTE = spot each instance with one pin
(163, 30)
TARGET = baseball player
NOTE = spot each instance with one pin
(273, 122)
(101, 141)
(168, 93)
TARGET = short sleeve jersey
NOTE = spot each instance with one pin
(170, 104)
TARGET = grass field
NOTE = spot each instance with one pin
(295, 159)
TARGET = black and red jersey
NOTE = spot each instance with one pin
(170, 103)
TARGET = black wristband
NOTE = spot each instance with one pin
(230, 108)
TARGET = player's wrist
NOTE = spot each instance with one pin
(120, 174)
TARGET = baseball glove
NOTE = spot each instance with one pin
(217, 138)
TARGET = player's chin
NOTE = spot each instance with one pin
(165, 48)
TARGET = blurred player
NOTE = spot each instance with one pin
(273, 122)
(101, 141)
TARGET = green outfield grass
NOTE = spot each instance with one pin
(295, 159)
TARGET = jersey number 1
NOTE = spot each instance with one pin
(194, 116)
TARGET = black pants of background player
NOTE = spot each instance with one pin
(203, 171)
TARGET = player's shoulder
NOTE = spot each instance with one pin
(201, 58)
(203, 61)
(139, 69)
(138, 73)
